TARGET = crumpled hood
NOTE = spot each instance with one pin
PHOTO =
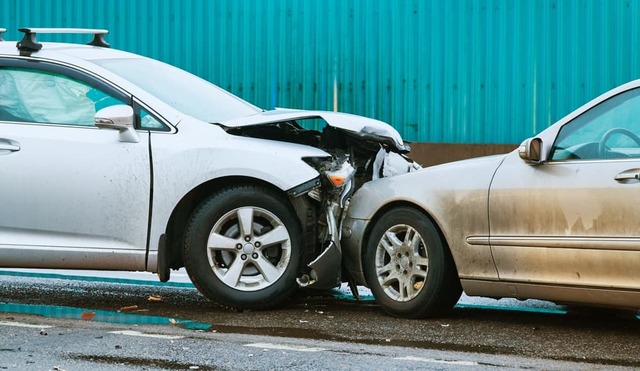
(364, 127)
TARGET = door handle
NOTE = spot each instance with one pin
(628, 176)
(7, 146)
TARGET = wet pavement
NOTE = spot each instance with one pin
(69, 345)
(542, 330)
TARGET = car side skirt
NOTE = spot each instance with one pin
(624, 299)
(72, 258)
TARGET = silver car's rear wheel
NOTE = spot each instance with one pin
(249, 248)
(401, 262)
(408, 267)
(242, 247)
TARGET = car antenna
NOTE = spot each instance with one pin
(29, 44)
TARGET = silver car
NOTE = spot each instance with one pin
(114, 161)
(555, 219)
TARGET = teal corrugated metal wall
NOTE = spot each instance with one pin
(459, 71)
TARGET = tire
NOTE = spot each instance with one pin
(239, 266)
(410, 281)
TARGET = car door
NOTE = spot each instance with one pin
(573, 220)
(71, 195)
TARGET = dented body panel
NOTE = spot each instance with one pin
(363, 127)
(182, 165)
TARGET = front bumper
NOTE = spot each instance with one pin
(353, 238)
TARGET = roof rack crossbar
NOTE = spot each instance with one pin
(29, 43)
(2, 30)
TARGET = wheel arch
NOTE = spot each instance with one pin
(181, 213)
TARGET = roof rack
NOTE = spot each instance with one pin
(2, 30)
(29, 44)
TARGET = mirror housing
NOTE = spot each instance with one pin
(118, 117)
(531, 151)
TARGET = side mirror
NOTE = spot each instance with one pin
(531, 151)
(119, 117)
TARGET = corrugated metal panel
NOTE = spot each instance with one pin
(461, 71)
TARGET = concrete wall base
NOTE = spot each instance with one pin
(428, 154)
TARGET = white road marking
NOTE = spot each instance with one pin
(295, 348)
(20, 324)
(142, 334)
(431, 360)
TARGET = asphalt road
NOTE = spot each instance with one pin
(90, 323)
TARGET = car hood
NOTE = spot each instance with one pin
(461, 165)
(363, 127)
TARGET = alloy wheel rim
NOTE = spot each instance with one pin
(401, 262)
(249, 248)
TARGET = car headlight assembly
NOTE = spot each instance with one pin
(335, 172)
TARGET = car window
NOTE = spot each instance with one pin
(148, 121)
(609, 130)
(183, 91)
(47, 97)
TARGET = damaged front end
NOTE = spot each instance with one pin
(337, 179)
(358, 150)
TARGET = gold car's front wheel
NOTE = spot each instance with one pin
(401, 262)
(409, 269)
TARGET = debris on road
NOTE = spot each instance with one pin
(155, 298)
(87, 315)
(128, 308)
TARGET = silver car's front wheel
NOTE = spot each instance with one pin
(401, 262)
(408, 267)
(249, 248)
(242, 247)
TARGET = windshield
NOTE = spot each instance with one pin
(181, 90)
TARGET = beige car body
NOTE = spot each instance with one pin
(524, 225)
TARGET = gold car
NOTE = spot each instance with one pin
(555, 219)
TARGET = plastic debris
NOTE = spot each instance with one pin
(155, 298)
(128, 307)
(87, 315)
